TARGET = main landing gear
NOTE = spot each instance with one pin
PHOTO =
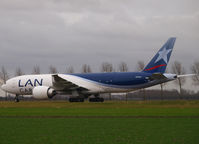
(81, 99)
(96, 99)
(76, 99)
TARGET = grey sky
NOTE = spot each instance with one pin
(73, 32)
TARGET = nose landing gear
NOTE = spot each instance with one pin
(17, 98)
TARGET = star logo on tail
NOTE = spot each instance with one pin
(163, 55)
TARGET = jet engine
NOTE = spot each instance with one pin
(43, 92)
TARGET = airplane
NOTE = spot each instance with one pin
(81, 86)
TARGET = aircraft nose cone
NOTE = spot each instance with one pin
(3, 87)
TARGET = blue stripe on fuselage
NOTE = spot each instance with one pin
(117, 78)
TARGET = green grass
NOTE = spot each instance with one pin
(139, 108)
(101, 130)
(106, 104)
(99, 112)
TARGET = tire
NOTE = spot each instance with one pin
(101, 100)
(16, 100)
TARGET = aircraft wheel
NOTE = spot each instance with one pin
(17, 98)
(101, 100)
(81, 99)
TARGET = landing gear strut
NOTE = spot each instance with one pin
(17, 98)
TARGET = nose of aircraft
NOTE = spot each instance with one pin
(3, 87)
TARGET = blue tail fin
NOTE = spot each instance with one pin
(159, 62)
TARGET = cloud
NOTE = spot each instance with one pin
(74, 32)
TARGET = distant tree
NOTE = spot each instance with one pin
(70, 70)
(4, 76)
(162, 88)
(1, 82)
(86, 68)
(107, 67)
(36, 70)
(178, 69)
(52, 70)
(195, 70)
(140, 65)
(18, 72)
(123, 67)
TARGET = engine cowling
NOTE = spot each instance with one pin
(43, 92)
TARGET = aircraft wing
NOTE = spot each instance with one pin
(64, 85)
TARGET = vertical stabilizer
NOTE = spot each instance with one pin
(159, 62)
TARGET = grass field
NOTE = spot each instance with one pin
(150, 122)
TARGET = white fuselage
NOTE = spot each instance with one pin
(24, 85)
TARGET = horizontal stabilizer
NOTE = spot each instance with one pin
(186, 75)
